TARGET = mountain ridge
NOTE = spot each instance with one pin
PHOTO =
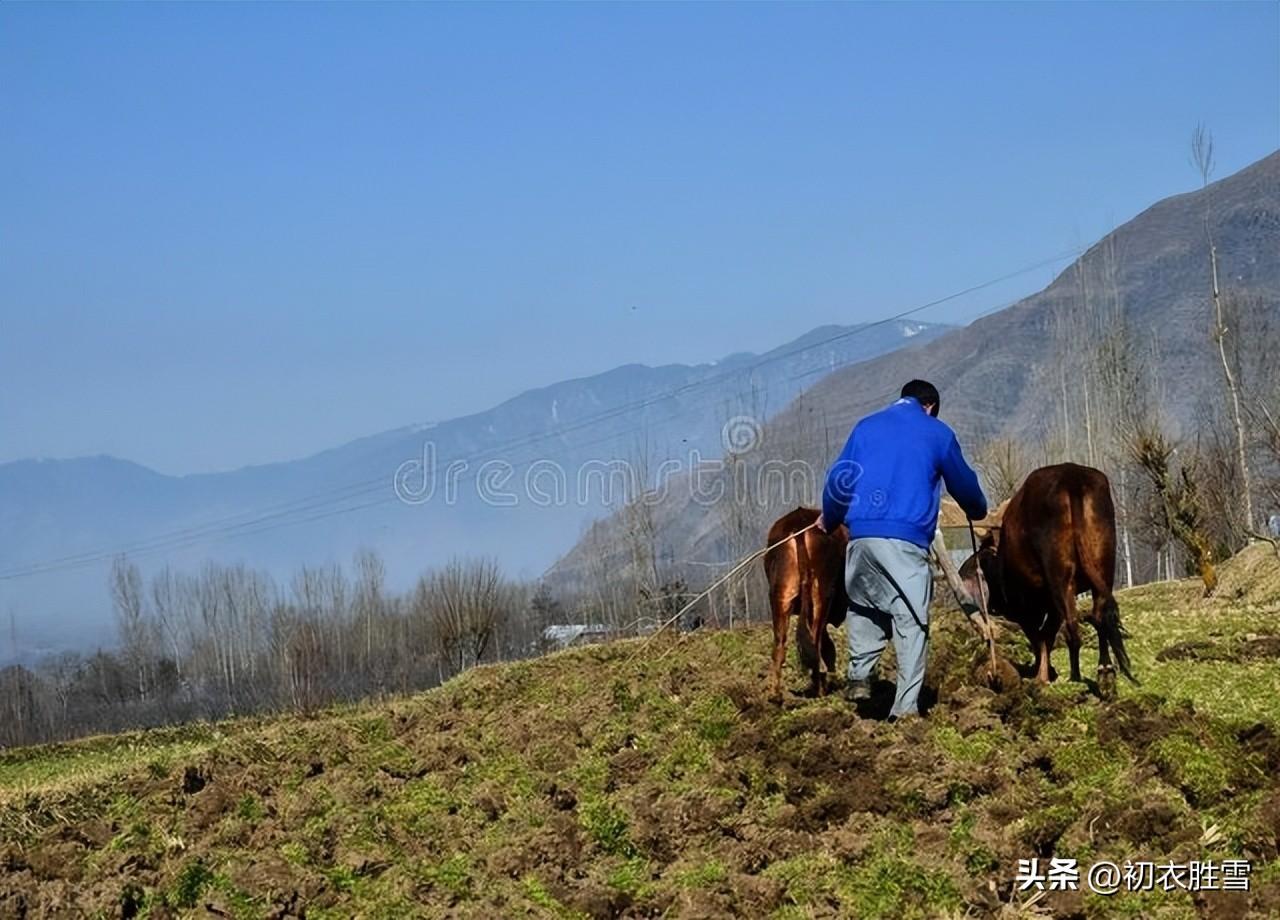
(54, 508)
(1152, 270)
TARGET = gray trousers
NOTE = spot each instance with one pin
(890, 587)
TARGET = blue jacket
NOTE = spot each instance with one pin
(887, 482)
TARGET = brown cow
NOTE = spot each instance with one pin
(1057, 539)
(806, 579)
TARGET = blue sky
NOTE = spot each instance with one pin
(235, 233)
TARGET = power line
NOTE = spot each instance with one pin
(312, 506)
(224, 528)
(254, 514)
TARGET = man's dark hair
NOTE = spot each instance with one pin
(925, 393)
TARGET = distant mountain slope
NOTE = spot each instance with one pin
(1161, 269)
(1154, 268)
(340, 500)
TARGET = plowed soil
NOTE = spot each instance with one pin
(600, 782)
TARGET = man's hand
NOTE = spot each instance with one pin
(820, 524)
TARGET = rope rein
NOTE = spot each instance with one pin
(747, 560)
(982, 599)
(752, 557)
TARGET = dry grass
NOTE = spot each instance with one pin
(593, 782)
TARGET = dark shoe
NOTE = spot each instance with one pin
(856, 690)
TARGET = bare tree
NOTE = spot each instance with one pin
(22, 720)
(639, 520)
(1003, 463)
(167, 608)
(131, 620)
(369, 602)
(62, 671)
(464, 602)
(545, 610)
(1253, 356)
(1202, 157)
(743, 507)
(1177, 492)
(301, 663)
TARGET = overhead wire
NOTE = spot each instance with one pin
(316, 506)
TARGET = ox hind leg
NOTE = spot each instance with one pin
(824, 599)
(1042, 637)
(828, 650)
(1064, 612)
(1048, 636)
(815, 621)
(1096, 550)
(1073, 645)
(1106, 672)
(1033, 640)
(784, 602)
(1105, 617)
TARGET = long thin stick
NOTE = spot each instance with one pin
(982, 599)
(968, 606)
(717, 583)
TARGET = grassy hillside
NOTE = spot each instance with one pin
(605, 782)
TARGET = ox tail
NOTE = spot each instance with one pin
(1113, 633)
(806, 649)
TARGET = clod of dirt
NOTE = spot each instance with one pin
(1005, 679)
(131, 900)
(1250, 648)
(210, 807)
(1222, 905)
(1268, 823)
(1196, 650)
(58, 860)
(1259, 647)
(745, 697)
(562, 799)
(491, 806)
(627, 766)
(596, 900)
(193, 780)
(1261, 740)
(1145, 822)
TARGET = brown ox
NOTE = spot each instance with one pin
(806, 579)
(1057, 539)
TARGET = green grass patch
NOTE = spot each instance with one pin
(1198, 768)
(250, 809)
(890, 886)
(95, 760)
(190, 884)
(453, 875)
(704, 875)
(607, 825)
(715, 718)
(974, 747)
(633, 877)
(533, 889)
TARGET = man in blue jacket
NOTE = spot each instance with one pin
(886, 486)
